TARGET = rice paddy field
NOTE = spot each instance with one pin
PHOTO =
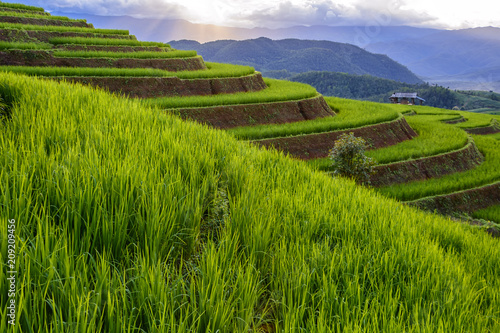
(118, 216)
(128, 219)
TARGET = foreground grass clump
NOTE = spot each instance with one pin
(128, 219)
(214, 70)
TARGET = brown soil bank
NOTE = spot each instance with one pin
(41, 21)
(15, 35)
(429, 167)
(464, 201)
(483, 130)
(318, 145)
(455, 121)
(45, 59)
(150, 87)
(256, 114)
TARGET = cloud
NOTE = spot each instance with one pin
(135, 8)
(328, 12)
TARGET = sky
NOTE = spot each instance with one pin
(444, 14)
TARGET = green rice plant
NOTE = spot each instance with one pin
(41, 16)
(488, 172)
(214, 71)
(433, 138)
(24, 46)
(494, 136)
(350, 114)
(21, 6)
(476, 119)
(129, 55)
(6, 25)
(276, 91)
(103, 41)
(491, 214)
(111, 202)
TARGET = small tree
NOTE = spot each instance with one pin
(349, 159)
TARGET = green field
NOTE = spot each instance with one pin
(6, 25)
(350, 114)
(103, 41)
(41, 16)
(433, 138)
(490, 213)
(214, 70)
(276, 91)
(128, 219)
(486, 173)
(120, 55)
(118, 216)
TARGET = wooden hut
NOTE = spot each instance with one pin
(406, 98)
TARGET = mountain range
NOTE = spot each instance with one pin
(299, 56)
(461, 59)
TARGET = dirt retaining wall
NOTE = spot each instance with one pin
(45, 59)
(149, 87)
(464, 201)
(318, 145)
(256, 114)
(429, 167)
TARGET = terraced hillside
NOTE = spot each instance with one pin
(126, 218)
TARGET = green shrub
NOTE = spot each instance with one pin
(349, 159)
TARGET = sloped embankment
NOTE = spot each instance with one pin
(428, 167)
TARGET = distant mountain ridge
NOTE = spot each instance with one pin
(461, 59)
(299, 56)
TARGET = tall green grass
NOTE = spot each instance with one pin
(129, 55)
(433, 138)
(488, 172)
(491, 213)
(476, 119)
(214, 70)
(24, 46)
(21, 6)
(6, 25)
(350, 114)
(130, 220)
(276, 91)
(103, 41)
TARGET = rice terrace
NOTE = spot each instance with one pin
(146, 190)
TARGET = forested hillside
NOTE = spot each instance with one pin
(366, 87)
(300, 56)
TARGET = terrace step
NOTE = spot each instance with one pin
(465, 201)
(230, 116)
(459, 120)
(43, 21)
(16, 35)
(429, 167)
(318, 145)
(46, 59)
(485, 130)
(110, 48)
(150, 87)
